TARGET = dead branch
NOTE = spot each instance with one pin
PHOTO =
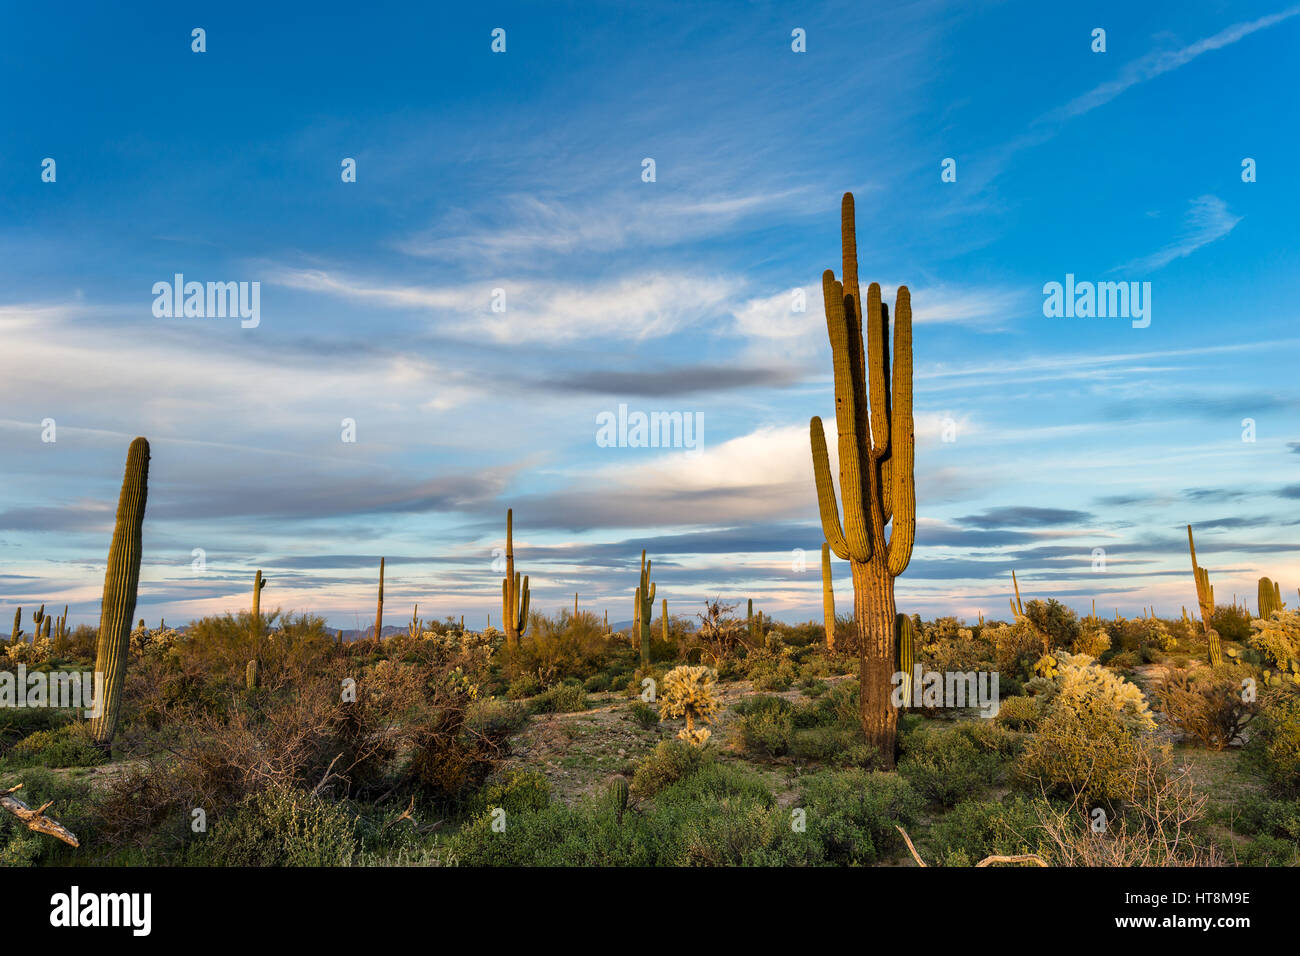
(987, 861)
(36, 819)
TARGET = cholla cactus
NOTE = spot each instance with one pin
(1093, 641)
(1076, 681)
(1278, 638)
(689, 692)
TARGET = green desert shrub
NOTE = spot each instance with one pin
(1276, 743)
(669, 762)
(560, 699)
(644, 715)
(852, 814)
(66, 746)
(766, 725)
(975, 829)
(496, 718)
(516, 792)
(946, 764)
(1018, 713)
(279, 826)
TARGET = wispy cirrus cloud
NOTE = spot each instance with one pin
(1207, 220)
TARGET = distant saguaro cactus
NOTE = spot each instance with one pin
(618, 792)
(120, 583)
(379, 611)
(38, 620)
(17, 633)
(828, 598)
(877, 481)
(250, 674)
(1205, 599)
(645, 602)
(259, 582)
(514, 596)
(1270, 598)
(663, 620)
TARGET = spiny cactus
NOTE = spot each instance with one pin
(17, 634)
(689, 692)
(514, 595)
(46, 632)
(416, 627)
(120, 583)
(575, 605)
(259, 582)
(1270, 598)
(618, 793)
(379, 610)
(645, 602)
(38, 619)
(61, 625)
(1205, 599)
(877, 481)
(906, 654)
(250, 674)
(663, 619)
(828, 598)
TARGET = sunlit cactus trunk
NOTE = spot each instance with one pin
(120, 583)
(259, 582)
(828, 599)
(873, 417)
(1205, 600)
(379, 610)
(645, 602)
(514, 594)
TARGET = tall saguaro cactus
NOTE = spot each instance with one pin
(873, 416)
(379, 611)
(1205, 599)
(259, 582)
(645, 603)
(120, 583)
(514, 595)
(828, 598)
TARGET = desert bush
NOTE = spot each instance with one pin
(516, 792)
(766, 725)
(946, 764)
(560, 647)
(669, 762)
(975, 829)
(66, 746)
(1208, 708)
(852, 814)
(1277, 639)
(279, 826)
(560, 699)
(1016, 649)
(1276, 744)
(1092, 640)
(1059, 623)
(1018, 713)
(645, 716)
(1232, 623)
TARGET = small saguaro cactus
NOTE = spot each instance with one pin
(1270, 598)
(575, 605)
(46, 631)
(645, 602)
(17, 633)
(906, 654)
(250, 674)
(379, 610)
(121, 581)
(828, 598)
(416, 627)
(663, 620)
(1205, 599)
(514, 595)
(38, 619)
(618, 793)
(877, 481)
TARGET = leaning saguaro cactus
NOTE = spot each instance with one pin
(120, 583)
(645, 603)
(514, 595)
(873, 416)
(1205, 599)
(828, 599)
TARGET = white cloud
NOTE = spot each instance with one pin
(1208, 219)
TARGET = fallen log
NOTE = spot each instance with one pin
(36, 819)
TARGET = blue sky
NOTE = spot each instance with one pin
(522, 171)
